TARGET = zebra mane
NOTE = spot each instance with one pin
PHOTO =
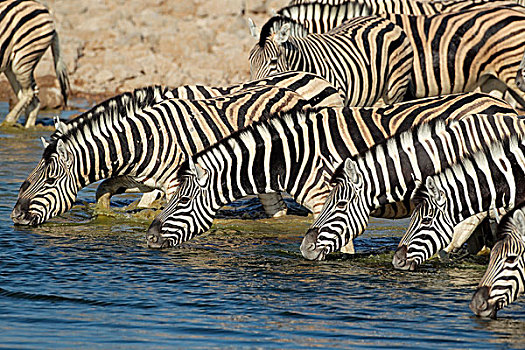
(478, 157)
(275, 23)
(433, 129)
(110, 110)
(507, 226)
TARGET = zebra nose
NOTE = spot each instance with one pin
(400, 259)
(309, 247)
(480, 304)
(153, 237)
(20, 211)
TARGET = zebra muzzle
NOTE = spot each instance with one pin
(21, 215)
(154, 238)
(400, 260)
(480, 304)
(309, 247)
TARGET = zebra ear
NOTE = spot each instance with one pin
(44, 142)
(352, 171)
(283, 34)
(62, 152)
(433, 189)
(519, 221)
(253, 29)
(200, 173)
(59, 126)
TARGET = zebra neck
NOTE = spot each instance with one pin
(484, 183)
(106, 152)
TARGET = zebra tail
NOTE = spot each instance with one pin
(60, 68)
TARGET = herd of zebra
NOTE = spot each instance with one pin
(355, 108)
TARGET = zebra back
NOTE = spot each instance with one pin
(462, 51)
(24, 19)
(322, 16)
(504, 278)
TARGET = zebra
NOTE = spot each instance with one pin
(389, 173)
(475, 50)
(27, 31)
(481, 183)
(320, 16)
(294, 152)
(504, 279)
(132, 136)
(368, 58)
(313, 88)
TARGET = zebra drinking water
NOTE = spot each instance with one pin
(504, 279)
(389, 173)
(484, 182)
(132, 136)
(27, 30)
(316, 90)
(368, 58)
(294, 152)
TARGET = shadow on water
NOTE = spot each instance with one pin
(88, 280)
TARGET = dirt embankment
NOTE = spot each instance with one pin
(112, 46)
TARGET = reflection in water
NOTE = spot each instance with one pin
(88, 280)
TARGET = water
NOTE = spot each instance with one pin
(90, 282)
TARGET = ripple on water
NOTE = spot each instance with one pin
(86, 279)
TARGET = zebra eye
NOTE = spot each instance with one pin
(511, 259)
(426, 221)
(50, 180)
(184, 200)
(342, 204)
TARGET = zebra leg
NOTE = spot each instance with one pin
(117, 185)
(348, 248)
(148, 198)
(24, 97)
(462, 232)
(273, 204)
(33, 108)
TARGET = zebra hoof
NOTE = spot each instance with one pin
(480, 304)
(400, 260)
(309, 247)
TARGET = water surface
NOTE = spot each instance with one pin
(89, 281)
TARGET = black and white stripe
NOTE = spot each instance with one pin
(504, 279)
(484, 182)
(389, 172)
(27, 30)
(368, 58)
(475, 50)
(296, 152)
(323, 15)
(133, 136)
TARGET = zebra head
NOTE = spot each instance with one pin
(50, 189)
(268, 56)
(189, 212)
(504, 279)
(343, 217)
(429, 227)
